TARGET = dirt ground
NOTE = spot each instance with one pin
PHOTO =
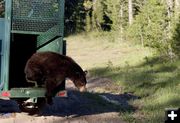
(98, 105)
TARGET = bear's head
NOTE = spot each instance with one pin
(80, 81)
(33, 73)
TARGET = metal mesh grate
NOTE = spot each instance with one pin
(34, 15)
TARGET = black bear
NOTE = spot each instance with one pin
(51, 69)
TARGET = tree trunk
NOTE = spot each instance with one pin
(169, 10)
(177, 9)
(169, 7)
(130, 10)
(169, 14)
(121, 20)
(177, 4)
(142, 39)
(93, 17)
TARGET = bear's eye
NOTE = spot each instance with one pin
(77, 73)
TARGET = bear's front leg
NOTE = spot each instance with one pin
(48, 99)
(50, 86)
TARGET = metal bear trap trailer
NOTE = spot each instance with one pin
(29, 26)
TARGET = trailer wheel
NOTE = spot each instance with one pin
(30, 107)
(40, 103)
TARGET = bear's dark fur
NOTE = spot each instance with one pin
(51, 69)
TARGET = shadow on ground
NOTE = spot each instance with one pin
(79, 104)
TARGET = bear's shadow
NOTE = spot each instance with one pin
(79, 104)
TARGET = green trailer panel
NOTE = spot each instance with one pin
(43, 19)
(27, 92)
(1, 41)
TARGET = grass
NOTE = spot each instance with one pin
(136, 69)
(157, 85)
(96, 52)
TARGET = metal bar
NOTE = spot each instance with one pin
(53, 39)
(26, 32)
(64, 47)
(6, 44)
(61, 23)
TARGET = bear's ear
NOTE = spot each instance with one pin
(85, 72)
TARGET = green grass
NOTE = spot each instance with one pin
(94, 52)
(136, 69)
(157, 83)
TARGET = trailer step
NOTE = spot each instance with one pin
(29, 93)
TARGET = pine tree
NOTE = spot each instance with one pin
(150, 25)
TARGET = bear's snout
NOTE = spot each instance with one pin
(82, 89)
(29, 79)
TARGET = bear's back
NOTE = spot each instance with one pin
(53, 61)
